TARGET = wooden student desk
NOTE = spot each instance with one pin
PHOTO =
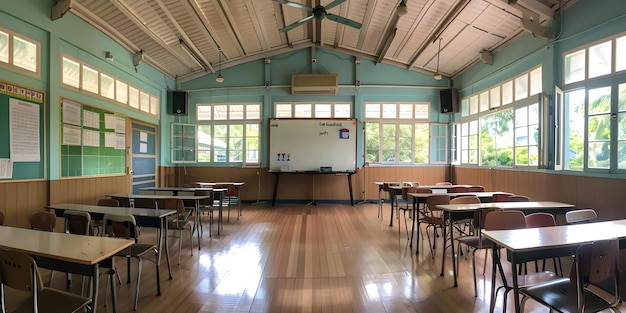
(195, 199)
(144, 218)
(453, 211)
(313, 173)
(76, 254)
(531, 244)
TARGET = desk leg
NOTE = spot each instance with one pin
(350, 187)
(380, 203)
(219, 213)
(515, 283)
(275, 188)
(95, 274)
(446, 219)
(494, 260)
(391, 200)
(413, 222)
(238, 201)
(451, 219)
(163, 234)
(197, 220)
(313, 191)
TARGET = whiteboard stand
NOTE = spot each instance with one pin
(312, 202)
(278, 173)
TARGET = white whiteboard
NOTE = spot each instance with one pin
(308, 144)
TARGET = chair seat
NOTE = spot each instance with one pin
(433, 220)
(179, 224)
(50, 300)
(474, 241)
(535, 278)
(553, 293)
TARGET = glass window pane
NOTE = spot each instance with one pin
(204, 143)
(422, 111)
(121, 92)
(484, 101)
(144, 102)
(133, 97)
(343, 110)
(521, 87)
(372, 110)
(204, 112)
(283, 110)
(107, 86)
(575, 66)
(220, 113)
(323, 110)
(405, 135)
(507, 92)
(465, 107)
(372, 142)
(421, 137)
(303, 111)
(235, 143)
(496, 139)
(154, 105)
(621, 128)
(620, 49)
(252, 143)
(219, 142)
(4, 47)
(235, 112)
(90, 79)
(25, 54)
(253, 112)
(389, 110)
(71, 73)
(600, 57)
(406, 111)
(574, 141)
(536, 81)
(494, 97)
(599, 100)
(473, 104)
(388, 143)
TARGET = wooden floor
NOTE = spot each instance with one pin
(297, 258)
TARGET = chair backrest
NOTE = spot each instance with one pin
(122, 226)
(465, 200)
(443, 183)
(42, 221)
(437, 199)
(518, 198)
(597, 262)
(387, 186)
(423, 190)
(171, 204)
(77, 222)
(410, 184)
(458, 189)
(19, 271)
(406, 190)
(476, 188)
(207, 201)
(500, 197)
(580, 216)
(108, 202)
(540, 219)
(480, 216)
(1, 218)
(505, 219)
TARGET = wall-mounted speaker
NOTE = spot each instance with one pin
(179, 102)
(448, 100)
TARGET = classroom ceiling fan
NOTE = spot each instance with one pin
(319, 12)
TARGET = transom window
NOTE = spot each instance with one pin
(85, 77)
(20, 53)
(400, 133)
(313, 110)
(229, 132)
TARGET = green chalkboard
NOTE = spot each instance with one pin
(31, 164)
(93, 141)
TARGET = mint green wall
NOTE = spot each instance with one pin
(73, 37)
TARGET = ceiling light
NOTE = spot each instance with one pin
(402, 8)
(219, 78)
(438, 75)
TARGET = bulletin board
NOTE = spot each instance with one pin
(22, 140)
(313, 144)
(93, 141)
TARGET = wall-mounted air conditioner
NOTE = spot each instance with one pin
(314, 84)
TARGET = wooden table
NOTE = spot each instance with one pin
(144, 218)
(237, 186)
(531, 244)
(450, 210)
(196, 200)
(76, 254)
(313, 173)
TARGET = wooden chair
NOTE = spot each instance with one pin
(476, 241)
(513, 219)
(542, 219)
(97, 224)
(459, 189)
(125, 226)
(594, 263)
(500, 197)
(434, 218)
(580, 216)
(19, 271)
(403, 205)
(476, 188)
(45, 221)
(180, 222)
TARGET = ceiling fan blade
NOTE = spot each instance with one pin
(296, 24)
(295, 5)
(343, 20)
(334, 4)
